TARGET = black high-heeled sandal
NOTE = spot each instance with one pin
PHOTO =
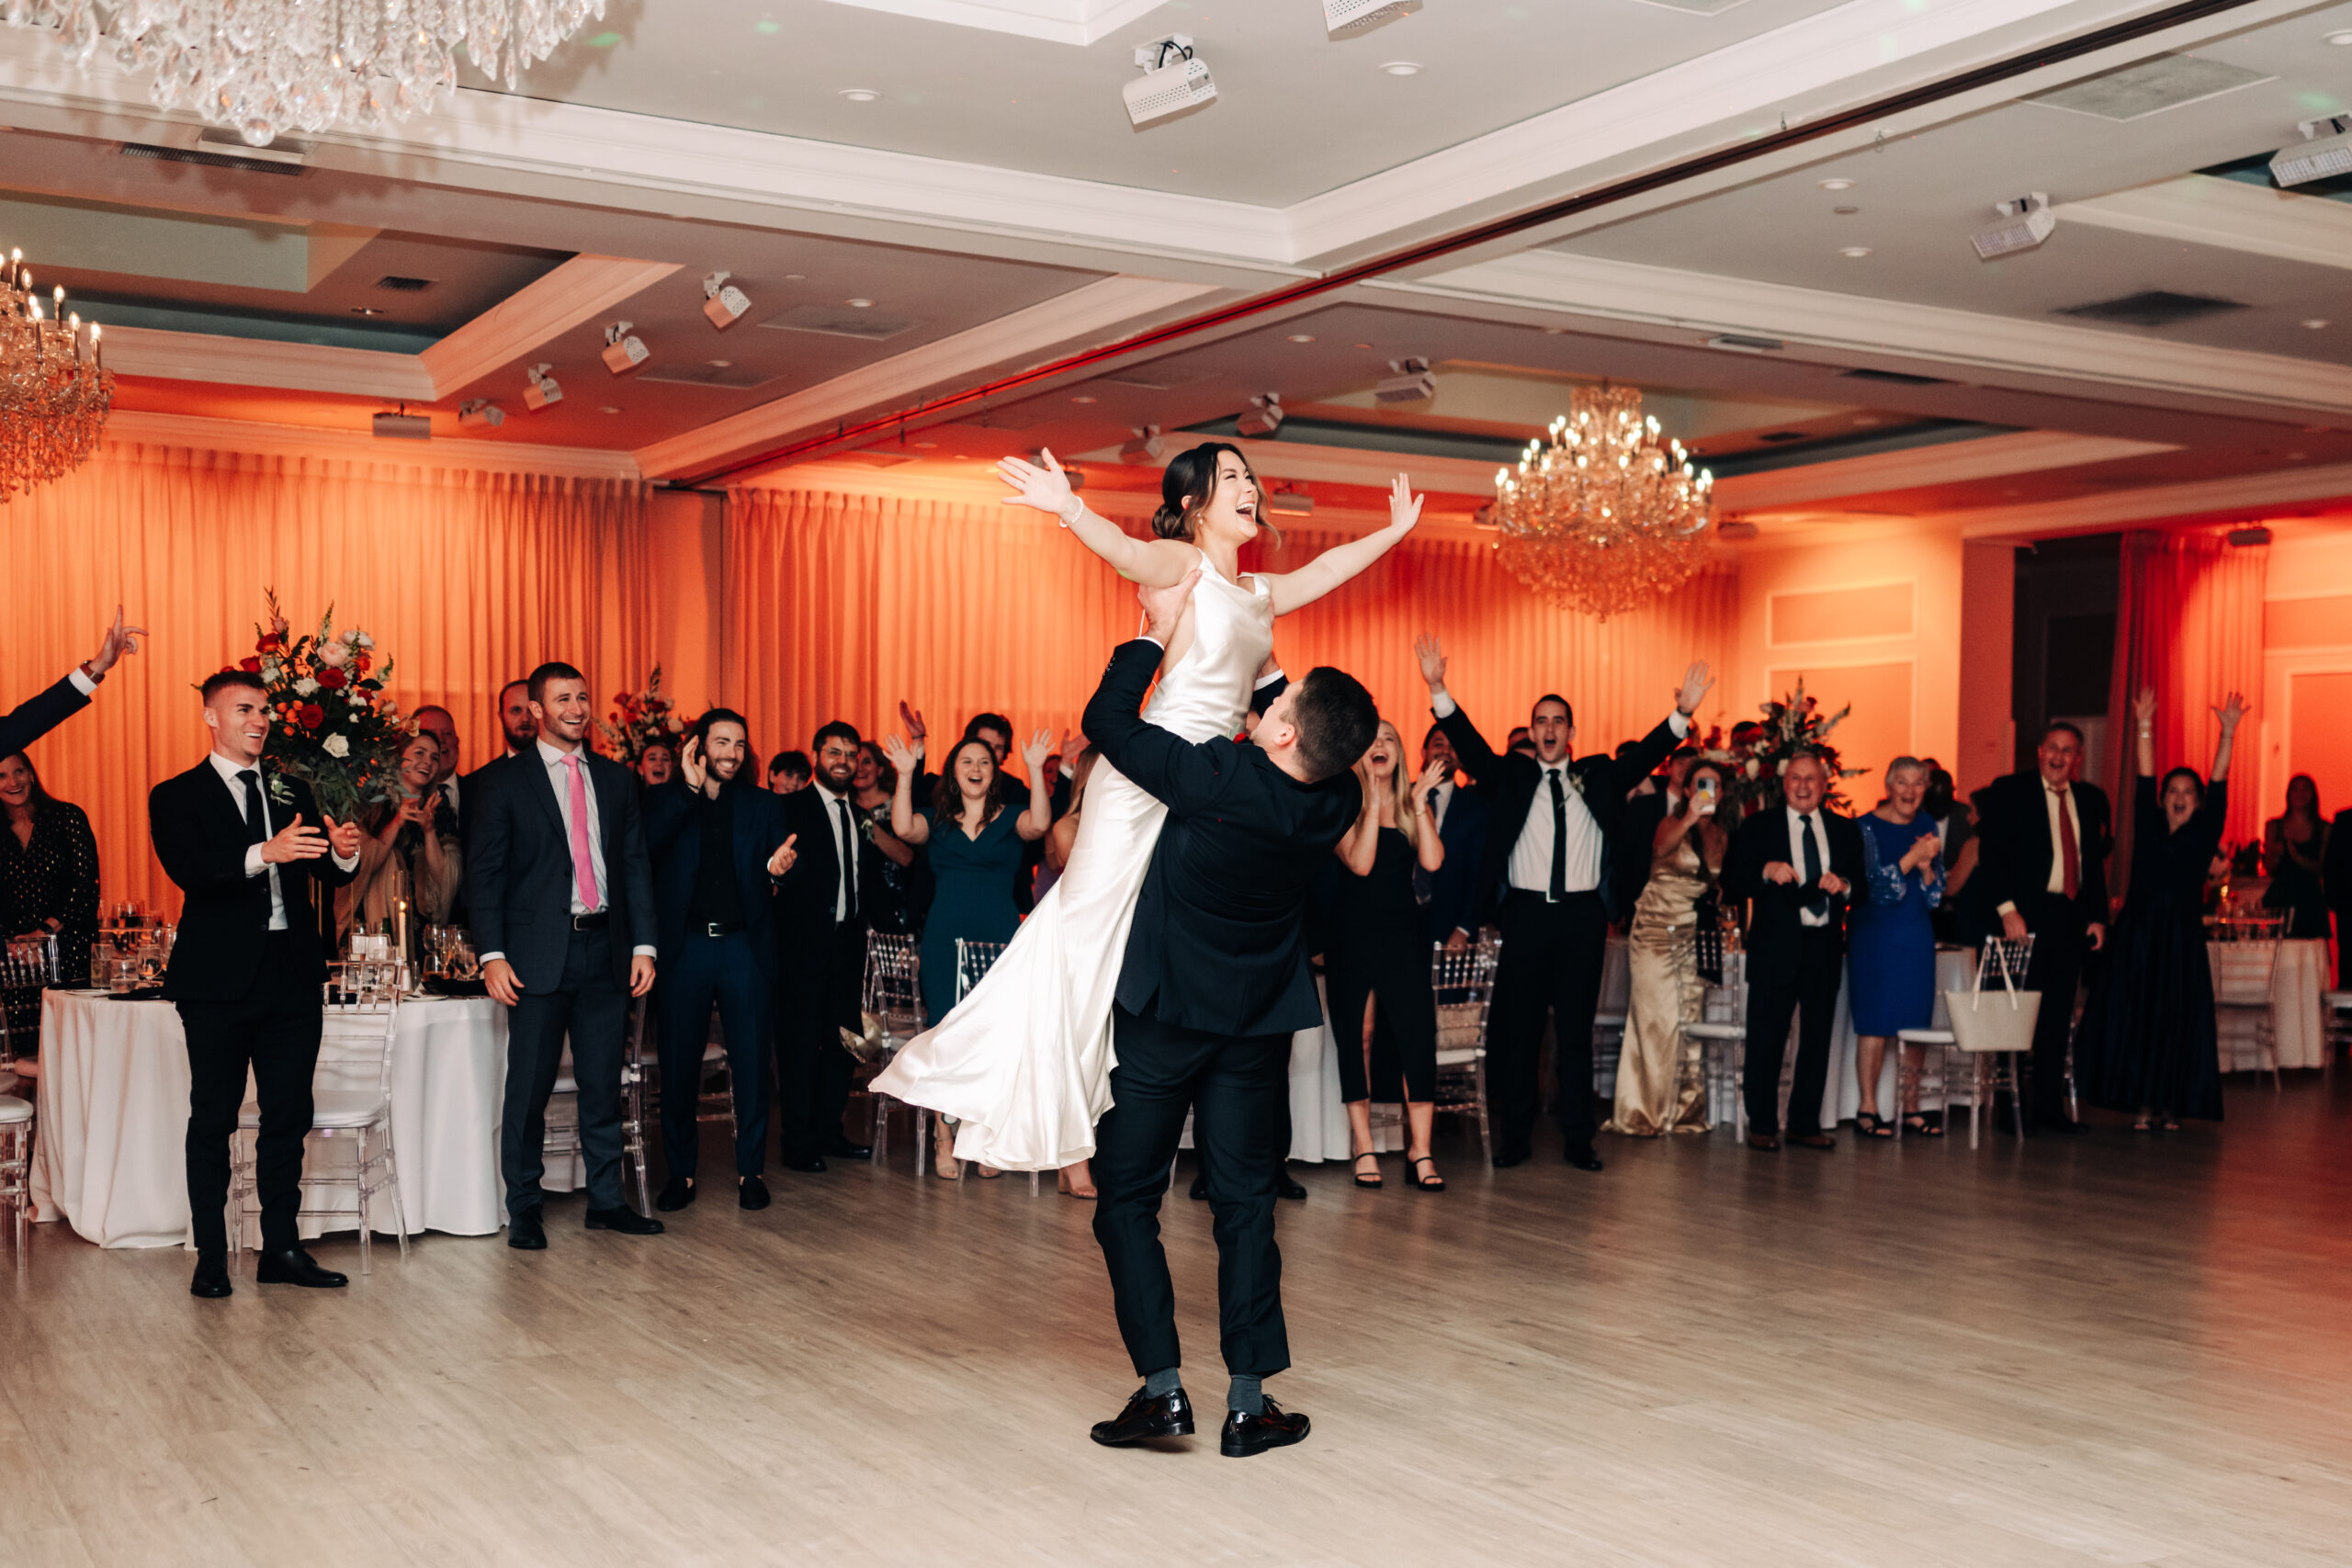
(1432, 1183)
(1374, 1179)
(1871, 1124)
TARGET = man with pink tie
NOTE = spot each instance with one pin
(563, 898)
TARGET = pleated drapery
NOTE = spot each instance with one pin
(837, 606)
(465, 580)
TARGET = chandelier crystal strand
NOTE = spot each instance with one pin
(54, 393)
(1608, 514)
(267, 67)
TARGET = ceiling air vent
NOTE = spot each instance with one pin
(1743, 343)
(249, 164)
(396, 283)
(2165, 83)
(735, 377)
(2151, 308)
(838, 320)
(1894, 377)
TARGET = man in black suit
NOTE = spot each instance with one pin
(2041, 869)
(716, 839)
(563, 898)
(519, 730)
(820, 935)
(1797, 868)
(245, 970)
(1449, 895)
(1544, 880)
(1212, 986)
(26, 723)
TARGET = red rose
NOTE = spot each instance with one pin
(312, 716)
(267, 644)
(331, 679)
(252, 665)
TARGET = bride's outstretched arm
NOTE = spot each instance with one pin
(1342, 563)
(1154, 563)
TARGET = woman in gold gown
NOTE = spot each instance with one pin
(1653, 1097)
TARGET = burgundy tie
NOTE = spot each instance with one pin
(2070, 854)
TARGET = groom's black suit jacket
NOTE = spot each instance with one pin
(201, 837)
(1217, 942)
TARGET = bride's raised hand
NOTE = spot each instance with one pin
(902, 760)
(1404, 506)
(1046, 489)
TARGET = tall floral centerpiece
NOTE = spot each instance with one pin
(332, 727)
(638, 719)
(1757, 752)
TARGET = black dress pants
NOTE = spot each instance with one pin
(821, 982)
(273, 1027)
(1237, 1088)
(1551, 963)
(590, 1006)
(2059, 945)
(728, 970)
(1806, 989)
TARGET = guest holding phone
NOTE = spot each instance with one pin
(1685, 858)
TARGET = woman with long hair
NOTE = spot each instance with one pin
(1665, 990)
(2148, 1043)
(409, 851)
(890, 907)
(1891, 955)
(2294, 845)
(1024, 1064)
(974, 843)
(48, 882)
(1383, 1011)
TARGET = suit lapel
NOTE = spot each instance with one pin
(542, 789)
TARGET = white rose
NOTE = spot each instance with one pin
(271, 670)
(361, 639)
(1753, 768)
(305, 686)
(336, 746)
(332, 654)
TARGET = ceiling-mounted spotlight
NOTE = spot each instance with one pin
(1412, 382)
(2253, 534)
(1353, 18)
(1289, 503)
(542, 389)
(1734, 529)
(404, 427)
(2026, 222)
(722, 301)
(2326, 152)
(1174, 79)
(1145, 448)
(1263, 418)
(624, 352)
(480, 413)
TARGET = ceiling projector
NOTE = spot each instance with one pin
(2026, 222)
(2318, 157)
(1412, 383)
(1353, 18)
(1174, 79)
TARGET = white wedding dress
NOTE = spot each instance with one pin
(1023, 1063)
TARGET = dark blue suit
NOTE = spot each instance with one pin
(22, 726)
(736, 968)
(1452, 901)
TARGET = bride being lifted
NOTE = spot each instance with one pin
(1022, 1063)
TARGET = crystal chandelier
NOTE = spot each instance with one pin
(265, 67)
(1609, 514)
(54, 393)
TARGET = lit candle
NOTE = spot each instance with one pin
(403, 928)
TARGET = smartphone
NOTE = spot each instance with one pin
(1704, 801)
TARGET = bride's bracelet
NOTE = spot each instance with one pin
(1070, 512)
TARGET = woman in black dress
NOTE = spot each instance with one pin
(1382, 1011)
(2293, 847)
(2147, 1043)
(49, 883)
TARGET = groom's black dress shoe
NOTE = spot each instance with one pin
(296, 1267)
(1512, 1154)
(211, 1281)
(525, 1233)
(1286, 1187)
(1272, 1428)
(677, 1193)
(624, 1219)
(1148, 1416)
(1581, 1156)
(841, 1148)
(806, 1165)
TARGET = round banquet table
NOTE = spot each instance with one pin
(113, 1120)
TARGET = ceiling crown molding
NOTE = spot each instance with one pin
(2200, 210)
(263, 362)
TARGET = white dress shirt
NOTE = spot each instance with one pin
(2057, 884)
(229, 768)
(555, 760)
(1530, 867)
(845, 883)
(82, 682)
(1796, 857)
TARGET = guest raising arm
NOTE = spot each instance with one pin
(35, 718)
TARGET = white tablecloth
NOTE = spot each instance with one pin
(113, 1119)
(2296, 985)
(1841, 1097)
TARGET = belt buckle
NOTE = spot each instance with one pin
(714, 928)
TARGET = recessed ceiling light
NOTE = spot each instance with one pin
(2316, 323)
(1853, 252)
(1837, 185)
(859, 95)
(1845, 211)
(1555, 332)
(1363, 345)
(1081, 398)
(1402, 68)
(721, 364)
(1301, 337)
(795, 277)
(2341, 38)
(1865, 419)
(926, 446)
(608, 409)
(365, 311)
(859, 304)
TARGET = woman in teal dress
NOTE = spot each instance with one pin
(976, 843)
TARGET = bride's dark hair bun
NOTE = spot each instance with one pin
(1186, 486)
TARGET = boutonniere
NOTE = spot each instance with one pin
(279, 790)
(865, 828)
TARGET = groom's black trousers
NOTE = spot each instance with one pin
(1237, 1088)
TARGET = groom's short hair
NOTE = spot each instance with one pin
(1337, 719)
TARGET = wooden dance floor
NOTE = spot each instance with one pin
(2103, 1350)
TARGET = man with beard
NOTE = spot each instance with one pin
(820, 935)
(716, 841)
(521, 730)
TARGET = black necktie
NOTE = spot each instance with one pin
(1815, 898)
(849, 859)
(257, 822)
(1559, 835)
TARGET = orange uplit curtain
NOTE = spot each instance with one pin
(465, 579)
(837, 606)
(2189, 623)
